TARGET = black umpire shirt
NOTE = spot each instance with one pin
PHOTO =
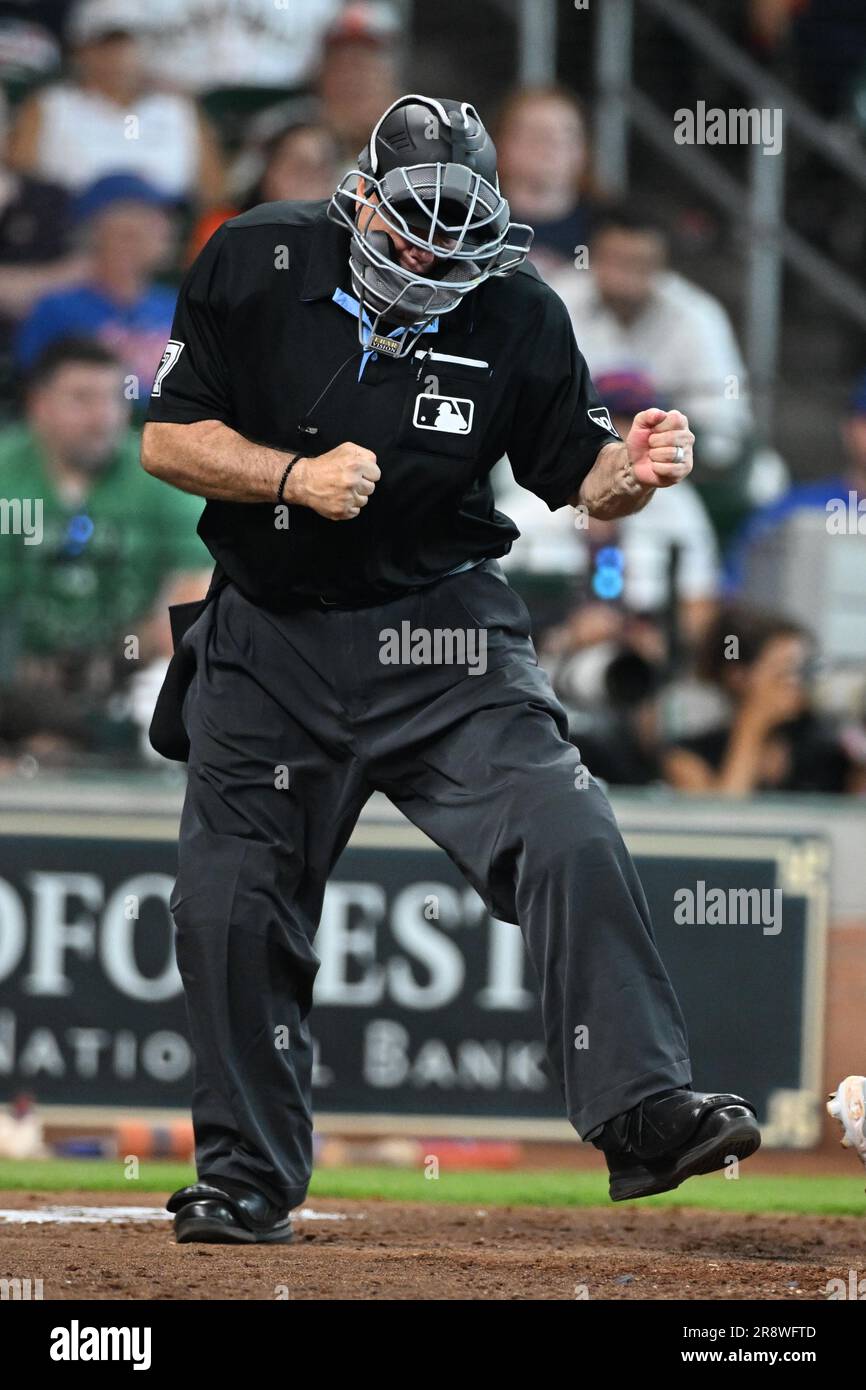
(265, 339)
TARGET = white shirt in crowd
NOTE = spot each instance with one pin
(83, 136)
(683, 340)
(550, 543)
(199, 45)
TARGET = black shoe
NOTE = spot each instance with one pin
(673, 1136)
(207, 1212)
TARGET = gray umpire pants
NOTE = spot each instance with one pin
(294, 719)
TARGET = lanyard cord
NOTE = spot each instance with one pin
(304, 424)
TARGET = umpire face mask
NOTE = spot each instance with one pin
(450, 222)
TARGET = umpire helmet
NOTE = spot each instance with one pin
(430, 165)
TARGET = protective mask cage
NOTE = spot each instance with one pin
(419, 203)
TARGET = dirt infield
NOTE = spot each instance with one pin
(373, 1250)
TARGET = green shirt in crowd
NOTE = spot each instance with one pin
(79, 575)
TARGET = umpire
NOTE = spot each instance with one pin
(340, 380)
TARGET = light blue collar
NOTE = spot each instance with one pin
(350, 304)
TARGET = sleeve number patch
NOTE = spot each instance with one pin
(173, 349)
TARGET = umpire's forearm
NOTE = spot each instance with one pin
(610, 489)
(209, 459)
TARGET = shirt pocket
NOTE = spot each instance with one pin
(447, 410)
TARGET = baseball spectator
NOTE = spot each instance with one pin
(632, 313)
(773, 739)
(128, 231)
(297, 148)
(99, 541)
(671, 540)
(36, 253)
(546, 173)
(359, 75)
(108, 115)
(291, 154)
(205, 47)
(623, 746)
(300, 164)
(819, 495)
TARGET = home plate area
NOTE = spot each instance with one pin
(83, 1245)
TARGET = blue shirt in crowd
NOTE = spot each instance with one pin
(136, 332)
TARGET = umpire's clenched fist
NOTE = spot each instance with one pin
(336, 484)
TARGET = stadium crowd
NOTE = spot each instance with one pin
(127, 135)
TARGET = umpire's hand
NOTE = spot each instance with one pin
(336, 484)
(659, 447)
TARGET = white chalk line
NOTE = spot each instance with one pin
(113, 1216)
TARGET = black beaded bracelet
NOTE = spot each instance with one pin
(289, 466)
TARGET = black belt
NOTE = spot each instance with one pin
(323, 601)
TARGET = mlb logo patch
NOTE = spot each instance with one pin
(447, 414)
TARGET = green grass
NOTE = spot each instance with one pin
(91, 1175)
(836, 1196)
